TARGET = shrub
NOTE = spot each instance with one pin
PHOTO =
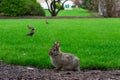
(12, 7)
(33, 8)
(21, 7)
(90, 5)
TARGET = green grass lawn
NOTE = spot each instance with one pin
(73, 12)
(95, 41)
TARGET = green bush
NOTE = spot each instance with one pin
(12, 7)
(33, 8)
(21, 7)
(88, 4)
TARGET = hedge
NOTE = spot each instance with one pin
(21, 7)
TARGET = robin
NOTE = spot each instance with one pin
(46, 21)
(32, 31)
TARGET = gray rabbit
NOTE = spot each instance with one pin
(63, 61)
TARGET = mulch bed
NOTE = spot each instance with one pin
(48, 17)
(15, 72)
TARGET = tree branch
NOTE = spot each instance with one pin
(53, 8)
(62, 6)
(48, 6)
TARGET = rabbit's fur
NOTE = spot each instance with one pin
(63, 61)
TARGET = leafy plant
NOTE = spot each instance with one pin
(20, 8)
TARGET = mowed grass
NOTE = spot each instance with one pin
(95, 41)
(73, 12)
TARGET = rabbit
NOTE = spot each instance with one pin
(63, 61)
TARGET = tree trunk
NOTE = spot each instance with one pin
(53, 14)
(109, 8)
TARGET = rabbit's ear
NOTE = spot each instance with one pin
(57, 44)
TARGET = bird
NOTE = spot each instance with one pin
(32, 31)
(46, 21)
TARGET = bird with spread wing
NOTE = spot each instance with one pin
(32, 31)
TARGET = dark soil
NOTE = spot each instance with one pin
(48, 17)
(13, 72)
